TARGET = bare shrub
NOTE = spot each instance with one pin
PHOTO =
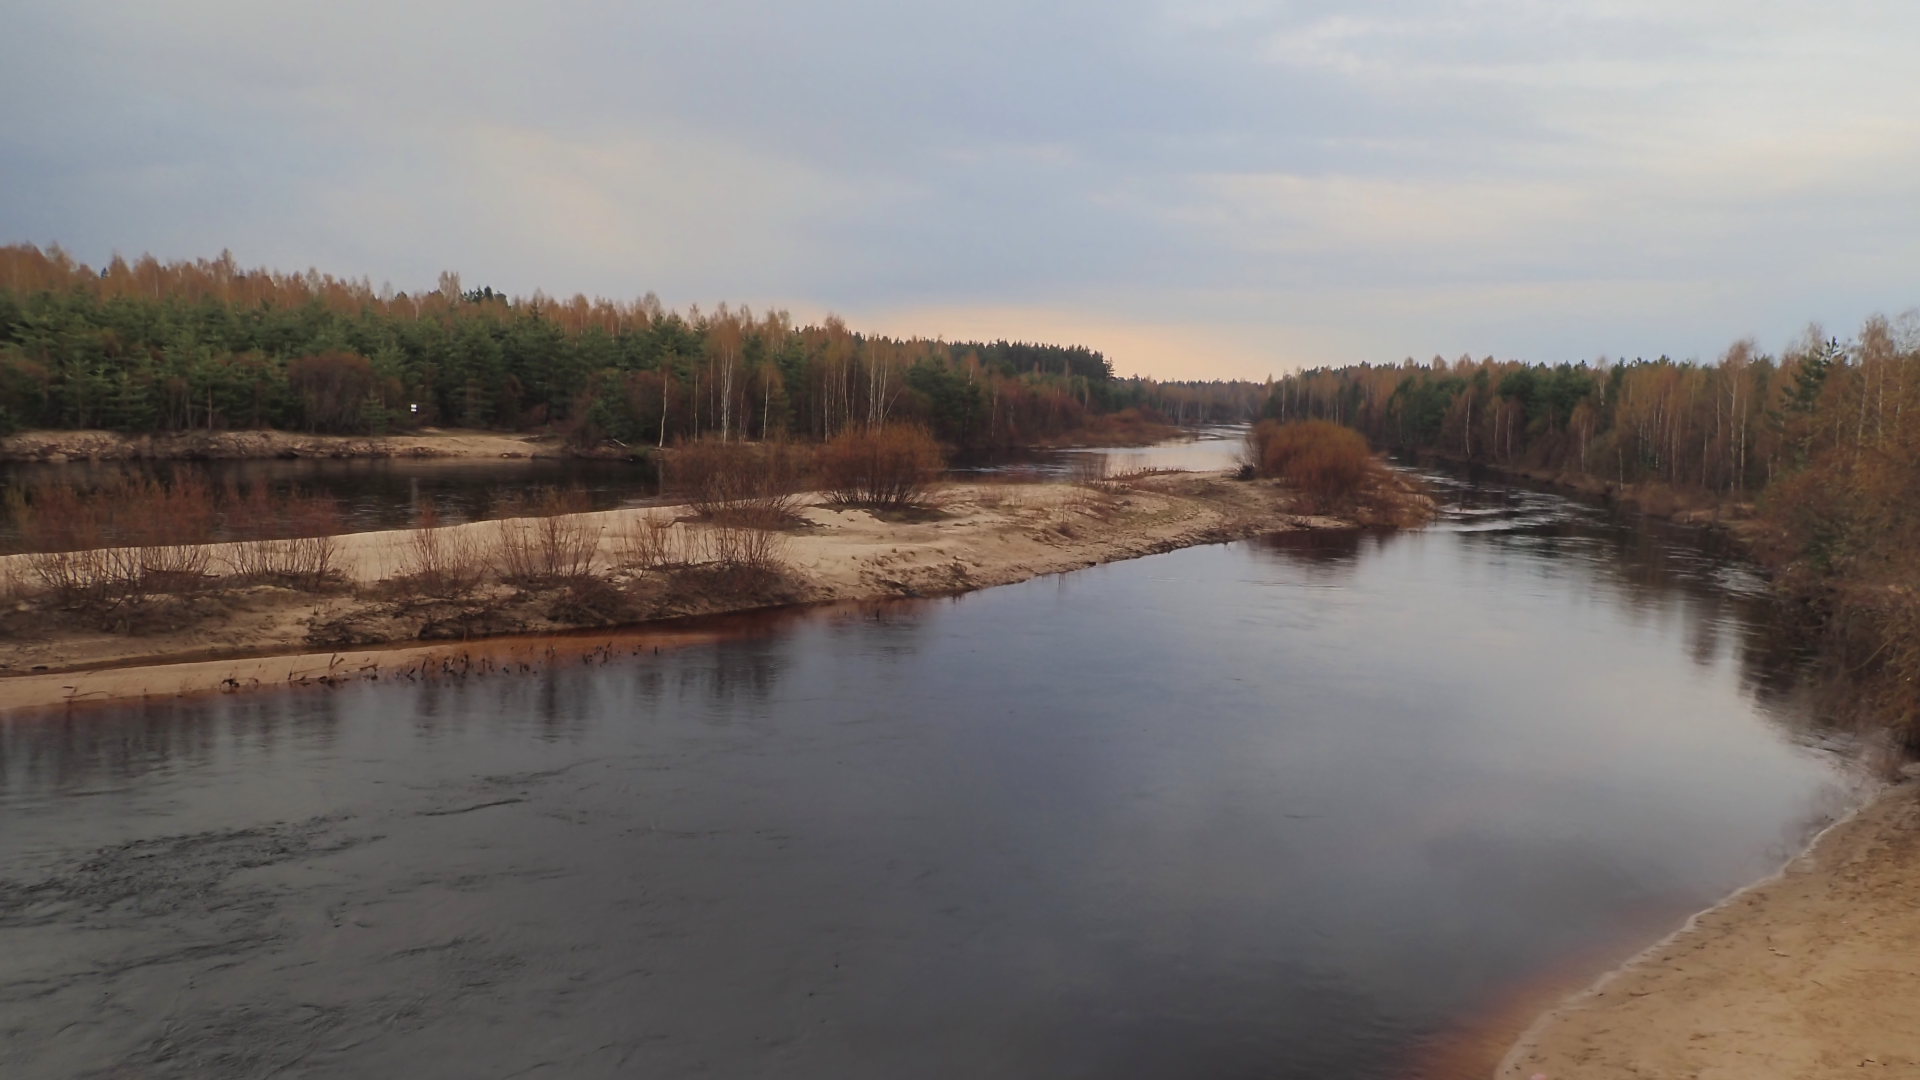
(748, 546)
(512, 548)
(115, 546)
(747, 492)
(9, 580)
(65, 536)
(894, 467)
(643, 542)
(752, 483)
(653, 543)
(173, 526)
(307, 553)
(546, 539)
(289, 540)
(1327, 463)
(251, 515)
(440, 561)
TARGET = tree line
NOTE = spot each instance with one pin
(1822, 439)
(1733, 426)
(204, 345)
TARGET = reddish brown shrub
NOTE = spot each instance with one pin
(116, 545)
(438, 561)
(171, 526)
(754, 484)
(289, 540)
(307, 552)
(650, 542)
(544, 539)
(894, 467)
(1327, 463)
(748, 546)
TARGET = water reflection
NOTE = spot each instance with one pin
(1206, 448)
(374, 494)
(389, 493)
(1332, 552)
(1292, 808)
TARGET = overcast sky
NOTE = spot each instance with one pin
(1215, 188)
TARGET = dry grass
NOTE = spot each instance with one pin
(895, 467)
(1094, 491)
(1011, 489)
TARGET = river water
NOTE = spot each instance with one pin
(390, 493)
(1296, 807)
(371, 493)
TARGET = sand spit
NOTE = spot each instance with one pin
(62, 446)
(986, 534)
(1811, 974)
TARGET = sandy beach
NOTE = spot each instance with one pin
(62, 446)
(1809, 975)
(985, 534)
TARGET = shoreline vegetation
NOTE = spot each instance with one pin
(193, 349)
(1811, 457)
(866, 516)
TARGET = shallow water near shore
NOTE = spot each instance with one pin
(1304, 806)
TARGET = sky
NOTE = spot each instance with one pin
(1205, 189)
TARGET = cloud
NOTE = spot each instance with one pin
(1207, 186)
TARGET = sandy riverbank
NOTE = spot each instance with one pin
(62, 446)
(1810, 975)
(986, 534)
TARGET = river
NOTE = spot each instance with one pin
(371, 493)
(1306, 806)
(390, 493)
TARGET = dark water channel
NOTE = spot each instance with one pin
(373, 493)
(1297, 807)
(390, 493)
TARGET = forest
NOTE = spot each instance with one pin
(1816, 448)
(206, 345)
